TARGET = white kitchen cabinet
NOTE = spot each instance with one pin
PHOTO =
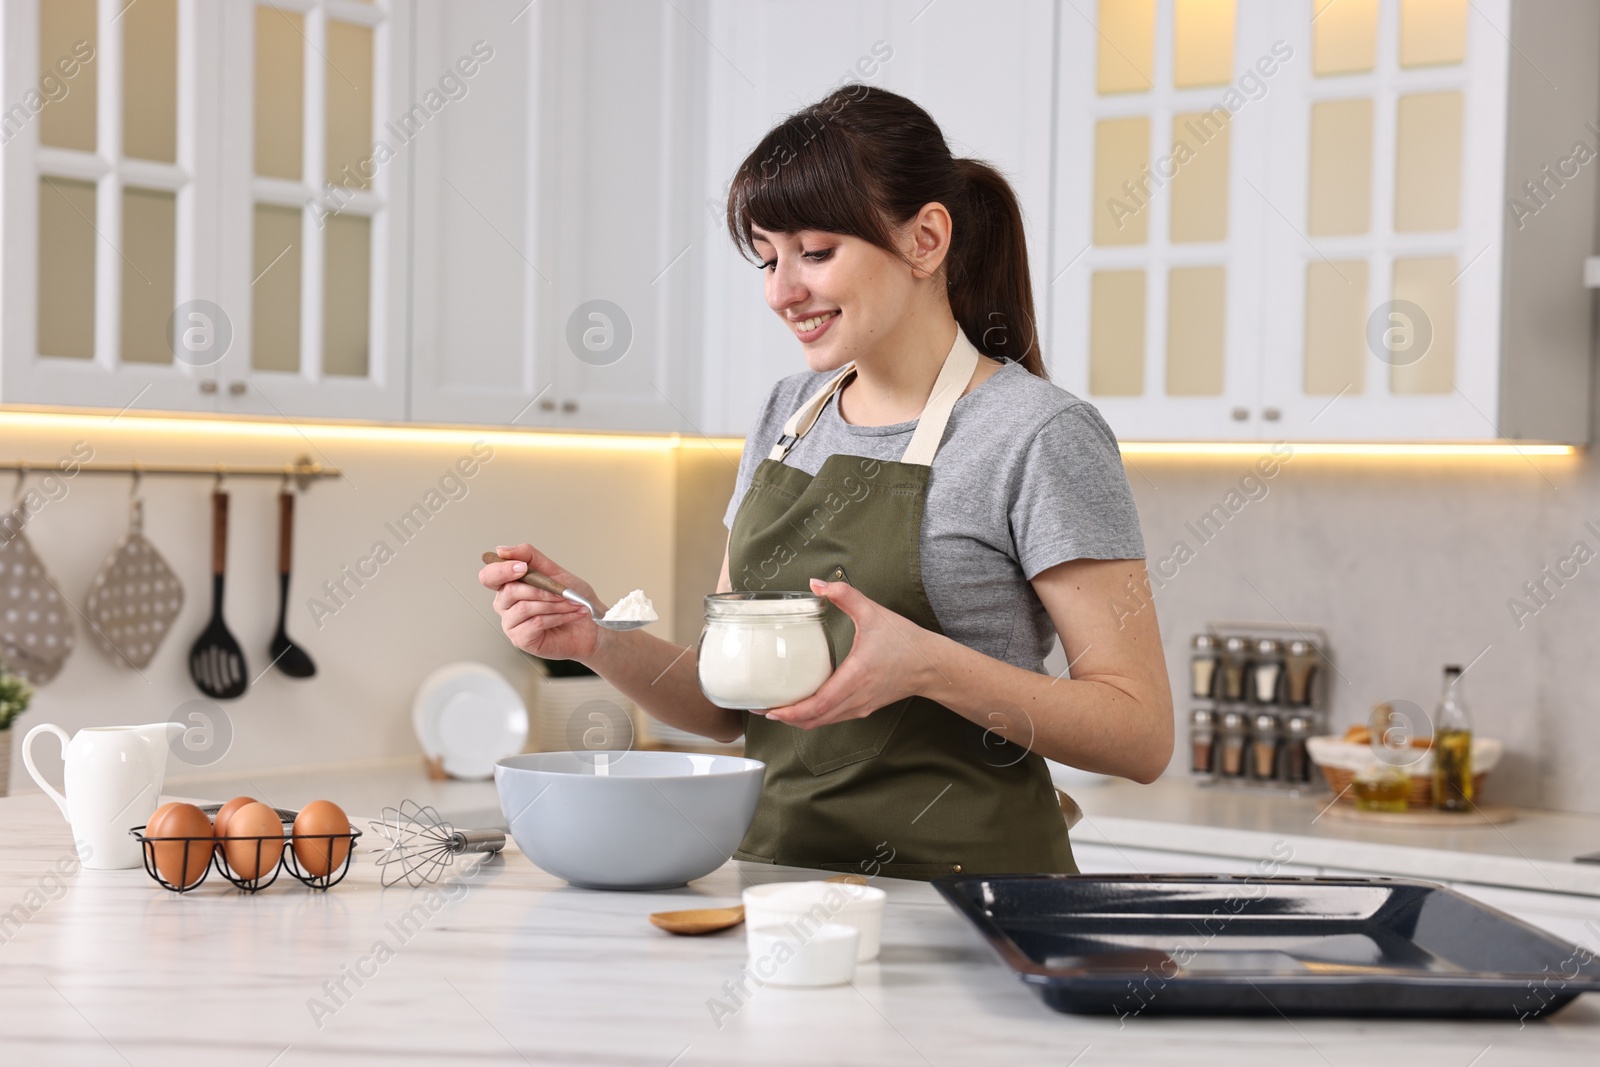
(1337, 252)
(982, 70)
(565, 176)
(109, 208)
(313, 217)
(135, 199)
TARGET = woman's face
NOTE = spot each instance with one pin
(839, 295)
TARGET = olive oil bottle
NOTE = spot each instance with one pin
(1452, 747)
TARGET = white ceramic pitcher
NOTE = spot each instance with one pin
(113, 777)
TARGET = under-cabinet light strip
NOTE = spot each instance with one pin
(335, 431)
(1442, 449)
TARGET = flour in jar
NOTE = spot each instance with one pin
(760, 660)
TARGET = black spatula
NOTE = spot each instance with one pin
(215, 662)
(287, 656)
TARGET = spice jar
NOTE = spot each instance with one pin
(1296, 760)
(1266, 671)
(1231, 745)
(1235, 654)
(1264, 748)
(1202, 741)
(763, 649)
(1203, 667)
(1300, 665)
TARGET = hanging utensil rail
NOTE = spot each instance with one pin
(302, 471)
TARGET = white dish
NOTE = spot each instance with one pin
(806, 905)
(467, 716)
(823, 955)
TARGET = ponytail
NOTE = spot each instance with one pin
(991, 292)
(862, 161)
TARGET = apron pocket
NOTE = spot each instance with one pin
(827, 748)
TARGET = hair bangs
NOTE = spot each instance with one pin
(800, 177)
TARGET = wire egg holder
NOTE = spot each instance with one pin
(288, 858)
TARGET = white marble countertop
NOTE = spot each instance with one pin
(511, 966)
(1174, 814)
(1535, 851)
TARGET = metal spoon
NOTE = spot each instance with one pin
(550, 585)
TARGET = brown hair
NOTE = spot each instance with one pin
(862, 161)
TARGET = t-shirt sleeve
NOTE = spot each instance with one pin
(1071, 499)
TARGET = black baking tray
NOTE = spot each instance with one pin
(1130, 945)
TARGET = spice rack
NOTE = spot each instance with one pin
(1257, 691)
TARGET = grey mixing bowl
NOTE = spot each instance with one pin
(628, 820)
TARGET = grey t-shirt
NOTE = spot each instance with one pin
(1028, 476)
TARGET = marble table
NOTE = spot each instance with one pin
(507, 965)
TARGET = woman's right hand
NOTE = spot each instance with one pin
(543, 624)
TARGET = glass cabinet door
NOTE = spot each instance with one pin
(1155, 268)
(1387, 163)
(317, 156)
(110, 169)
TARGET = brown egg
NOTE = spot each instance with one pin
(315, 856)
(244, 857)
(220, 823)
(183, 863)
(157, 816)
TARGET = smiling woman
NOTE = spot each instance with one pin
(955, 510)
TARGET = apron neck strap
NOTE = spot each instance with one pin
(959, 364)
(802, 420)
(954, 375)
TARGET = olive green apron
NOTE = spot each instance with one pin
(912, 790)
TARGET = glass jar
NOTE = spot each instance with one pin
(1230, 742)
(1266, 671)
(763, 649)
(1203, 667)
(1202, 741)
(1235, 663)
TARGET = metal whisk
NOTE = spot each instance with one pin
(421, 844)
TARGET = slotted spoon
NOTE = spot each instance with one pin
(215, 662)
(287, 656)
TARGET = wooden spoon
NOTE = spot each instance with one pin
(698, 920)
(694, 921)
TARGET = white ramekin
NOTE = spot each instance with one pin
(825, 955)
(805, 906)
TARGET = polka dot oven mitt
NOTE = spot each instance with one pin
(36, 631)
(135, 597)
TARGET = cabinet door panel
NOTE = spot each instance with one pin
(481, 272)
(982, 71)
(622, 327)
(1357, 339)
(107, 224)
(346, 357)
(1158, 244)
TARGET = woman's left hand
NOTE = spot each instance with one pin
(886, 663)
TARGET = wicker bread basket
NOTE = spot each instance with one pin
(1339, 760)
(1339, 781)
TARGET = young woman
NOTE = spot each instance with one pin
(985, 512)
